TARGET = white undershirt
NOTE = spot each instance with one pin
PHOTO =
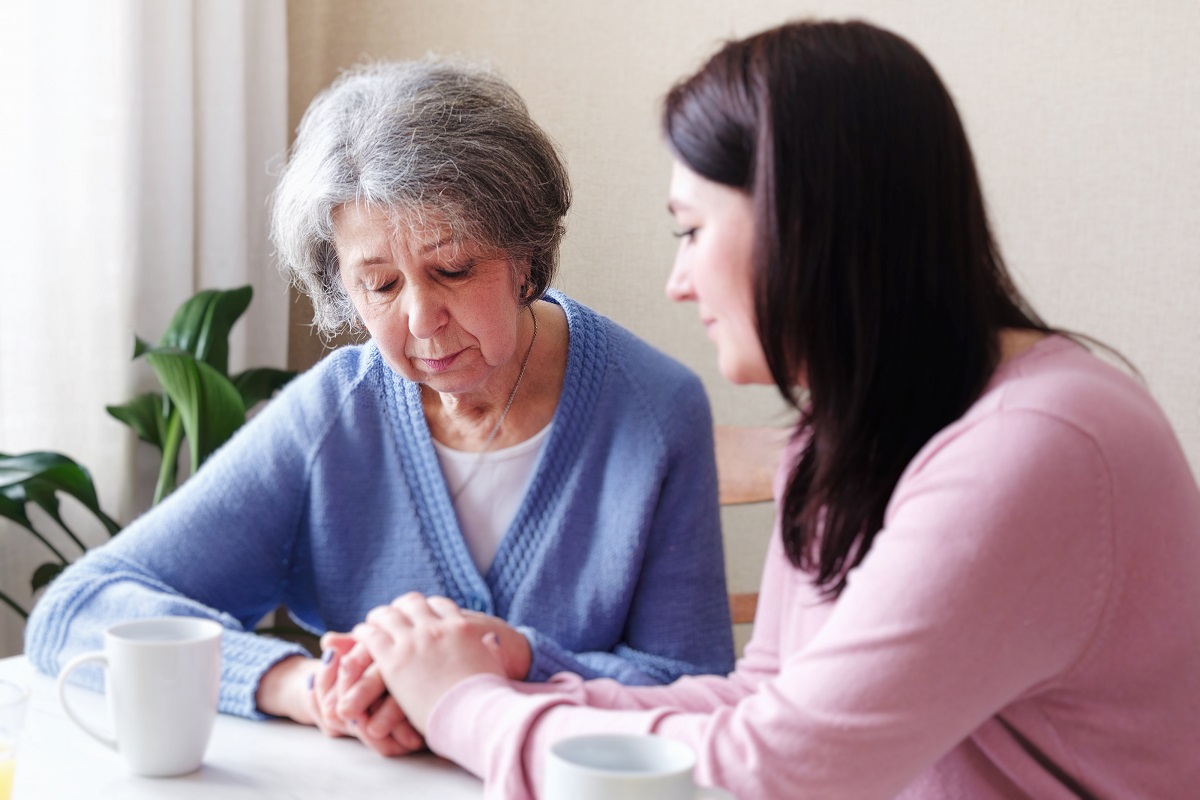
(496, 482)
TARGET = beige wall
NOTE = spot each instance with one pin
(1084, 115)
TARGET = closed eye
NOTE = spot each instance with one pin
(689, 234)
(457, 273)
(382, 288)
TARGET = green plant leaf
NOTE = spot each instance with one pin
(140, 346)
(209, 405)
(42, 474)
(146, 415)
(13, 507)
(54, 467)
(45, 495)
(201, 326)
(258, 384)
(169, 463)
(44, 574)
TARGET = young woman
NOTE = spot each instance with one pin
(985, 577)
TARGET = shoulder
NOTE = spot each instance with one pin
(1071, 388)
(639, 384)
(341, 382)
(630, 359)
(345, 368)
(1057, 416)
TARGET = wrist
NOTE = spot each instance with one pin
(280, 688)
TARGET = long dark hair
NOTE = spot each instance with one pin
(878, 283)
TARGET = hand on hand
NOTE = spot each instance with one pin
(514, 647)
(353, 700)
(310, 692)
(424, 646)
(345, 693)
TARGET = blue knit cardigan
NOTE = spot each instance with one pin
(331, 501)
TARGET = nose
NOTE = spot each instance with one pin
(679, 283)
(424, 308)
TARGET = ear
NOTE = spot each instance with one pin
(522, 273)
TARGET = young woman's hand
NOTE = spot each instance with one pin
(514, 647)
(351, 692)
(424, 646)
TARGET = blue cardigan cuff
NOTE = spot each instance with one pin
(245, 658)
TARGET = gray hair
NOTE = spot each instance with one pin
(419, 136)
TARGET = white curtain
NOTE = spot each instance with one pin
(137, 147)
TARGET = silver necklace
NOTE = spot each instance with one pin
(496, 428)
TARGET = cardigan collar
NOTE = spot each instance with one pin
(587, 358)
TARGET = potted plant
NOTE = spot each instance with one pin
(200, 404)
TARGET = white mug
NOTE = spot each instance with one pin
(605, 766)
(163, 678)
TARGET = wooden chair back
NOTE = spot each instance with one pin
(747, 458)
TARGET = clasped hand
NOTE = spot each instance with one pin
(380, 681)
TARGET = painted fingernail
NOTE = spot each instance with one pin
(327, 656)
(312, 679)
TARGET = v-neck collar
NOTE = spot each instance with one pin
(587, 355)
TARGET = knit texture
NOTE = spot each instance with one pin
(331, 501)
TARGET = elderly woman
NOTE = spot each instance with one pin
(494, 442)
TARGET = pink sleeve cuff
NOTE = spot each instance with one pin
(451, 731)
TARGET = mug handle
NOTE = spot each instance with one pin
(71, 666)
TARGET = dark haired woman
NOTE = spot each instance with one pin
(985, 581)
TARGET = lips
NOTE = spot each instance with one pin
(437, 364)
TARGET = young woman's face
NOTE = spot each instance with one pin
(713, 267)
(442, 314)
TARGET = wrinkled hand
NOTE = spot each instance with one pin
(349, 692)
(424, 646)
(300, 688)
(359, 681)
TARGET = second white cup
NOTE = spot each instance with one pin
(604, 766)
(163, 678)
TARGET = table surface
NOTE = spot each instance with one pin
(245, 759)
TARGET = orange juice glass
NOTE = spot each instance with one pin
(13, 700)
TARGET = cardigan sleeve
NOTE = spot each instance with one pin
(987, 581)
(217, 547)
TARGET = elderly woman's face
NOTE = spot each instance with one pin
(441, 313)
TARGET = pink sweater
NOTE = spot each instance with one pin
(1026, 624)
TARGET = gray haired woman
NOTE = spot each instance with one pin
(494, 442)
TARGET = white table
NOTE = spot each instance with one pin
(245, 759)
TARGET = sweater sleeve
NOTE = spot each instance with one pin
(988, 581)
(218, 547)
(678, 620)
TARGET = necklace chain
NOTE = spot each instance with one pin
(511, 396)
